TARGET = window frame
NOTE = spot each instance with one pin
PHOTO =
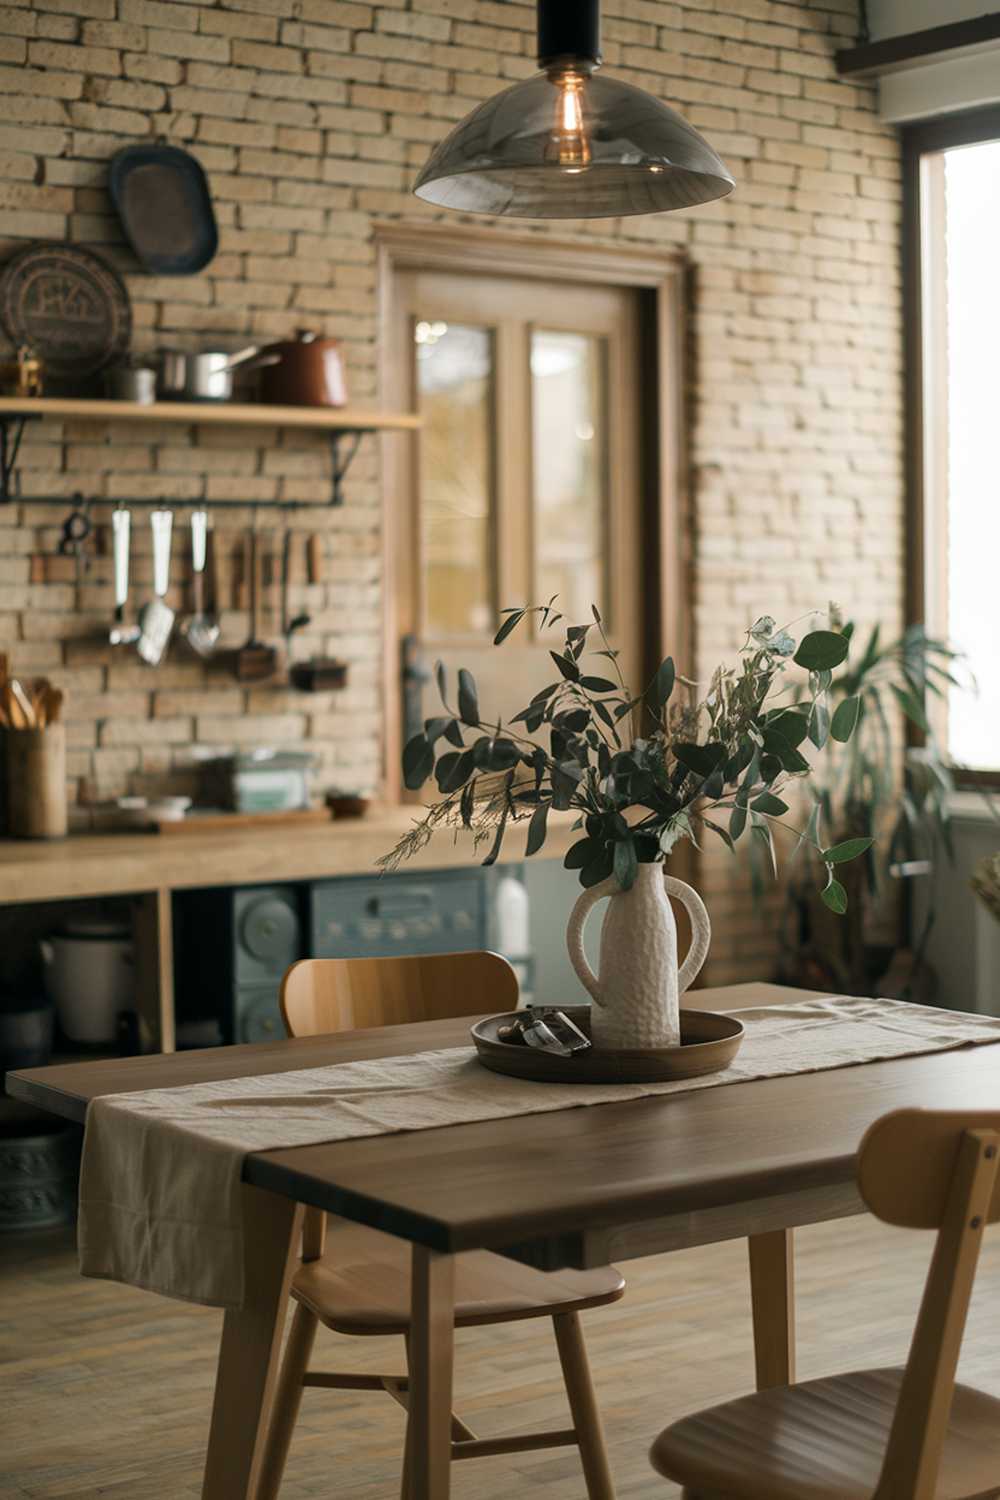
(920, 140)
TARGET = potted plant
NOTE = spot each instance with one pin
(641, 771)
(863, 790)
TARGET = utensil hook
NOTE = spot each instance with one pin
(10, 443)
(342, 464)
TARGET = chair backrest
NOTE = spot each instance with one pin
(925, 1169)
(323, 995)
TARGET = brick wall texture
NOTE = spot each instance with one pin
(311, 118)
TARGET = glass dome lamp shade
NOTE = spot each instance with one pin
(570, 143)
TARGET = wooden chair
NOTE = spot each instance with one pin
(899, 1434)
(356, 1280)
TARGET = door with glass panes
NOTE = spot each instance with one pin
(524, 483)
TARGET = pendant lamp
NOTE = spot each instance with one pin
(570, 143)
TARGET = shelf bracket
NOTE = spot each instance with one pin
(11, 433)
(342, 462)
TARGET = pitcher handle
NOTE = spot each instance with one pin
(701, 931)
(585, 903)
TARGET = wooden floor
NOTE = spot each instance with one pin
(105, 1391)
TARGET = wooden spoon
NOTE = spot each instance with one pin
(19, 710)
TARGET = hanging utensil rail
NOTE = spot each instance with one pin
(343, 427)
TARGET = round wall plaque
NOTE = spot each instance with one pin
(69, 306)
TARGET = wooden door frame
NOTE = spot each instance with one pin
(667, 623)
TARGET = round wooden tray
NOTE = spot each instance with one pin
(709, 1042)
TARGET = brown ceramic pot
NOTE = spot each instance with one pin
(309, 371)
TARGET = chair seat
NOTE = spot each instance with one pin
(822, 1440)
(362, 1285)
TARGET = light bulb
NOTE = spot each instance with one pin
(569, 147)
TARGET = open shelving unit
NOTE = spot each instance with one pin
(345, 426)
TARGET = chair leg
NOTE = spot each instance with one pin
(286, 1402)
(583, 1406)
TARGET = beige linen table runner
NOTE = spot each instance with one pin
(160, 1202)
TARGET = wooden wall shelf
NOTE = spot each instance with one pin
(339, 423)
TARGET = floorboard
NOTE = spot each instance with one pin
(105, 1391)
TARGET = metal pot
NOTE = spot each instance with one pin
(89, 973)
(207, 376)
(304, 371)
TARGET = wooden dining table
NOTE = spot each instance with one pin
(578, 1188)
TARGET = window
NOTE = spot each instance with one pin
(955, 178)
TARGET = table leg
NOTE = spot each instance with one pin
(772, 1293)
(251, 1343)
(432, 1353)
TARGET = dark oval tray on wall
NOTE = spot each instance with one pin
(162, 199)
(709, 1042)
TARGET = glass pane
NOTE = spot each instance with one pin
(455, 397)
(570, 446)
(972, 197)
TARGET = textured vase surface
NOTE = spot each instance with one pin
(637, 991)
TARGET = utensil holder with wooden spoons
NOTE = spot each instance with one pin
(36, 782)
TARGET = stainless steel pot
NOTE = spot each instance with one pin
(207, 376)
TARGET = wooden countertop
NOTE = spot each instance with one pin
(114, 864)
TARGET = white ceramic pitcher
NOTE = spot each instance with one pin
(637, 994)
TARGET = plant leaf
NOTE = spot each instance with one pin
(663, 683)
(626, 863)
(440, 672)
(468, 701)
(845, 720)
(418, 762)
(598, 685)
(511, 623)
(822, 650)
(737, 822)
(911, 706)
(537, 828)
(849, 849)
(767, 802)
(835, 897)
(567, 666)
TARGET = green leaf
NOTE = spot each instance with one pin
(567, 666)
(761, 829)
(453, 771)
(626, 864)
(723, 835)
(418, 762)
(468, 701)
(702, 759)
(911, 706)
(581, 853)
(849, 849)
(467, 803)
(835, 897)
(494, 853)
(737, 822)
(537, 828)
(453, 734)
(791, 724)
(822, 650)
(440, 672)
(767, 802)
(598, 685)
(598, 869)
(845, 720)
(663, 683)
(819, 724)
(511, 623)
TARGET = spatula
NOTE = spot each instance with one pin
(156, 620)
(201, 631)
(121, 526)
(255, 660)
